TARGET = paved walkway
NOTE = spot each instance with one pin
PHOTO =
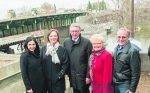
(18, 87)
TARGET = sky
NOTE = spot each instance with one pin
(16, 4)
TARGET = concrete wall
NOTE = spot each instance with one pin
(12, 84)
(9, 70)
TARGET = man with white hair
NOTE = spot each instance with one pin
(127, 64)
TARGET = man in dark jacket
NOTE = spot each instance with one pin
(79, 50)
(126, 64)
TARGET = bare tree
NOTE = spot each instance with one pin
(47, 8)
(11, 14)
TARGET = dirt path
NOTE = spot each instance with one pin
(144, 84)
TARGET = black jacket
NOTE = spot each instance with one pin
(127, 66)
(79, 53)
(54, 73)
(32, 74)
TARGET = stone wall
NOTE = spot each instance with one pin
(9, 65)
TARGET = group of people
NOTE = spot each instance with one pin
(89, 66)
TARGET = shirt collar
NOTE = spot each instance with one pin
(75, 40)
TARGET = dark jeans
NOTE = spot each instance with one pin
(84, 90)
(121, 87)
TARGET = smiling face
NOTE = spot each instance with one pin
(97, 42)
(75, 32)
(53, 37)
(123, 36)
(31, 46)
(97, 46)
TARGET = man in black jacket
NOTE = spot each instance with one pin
(127, 64)
(79, 50)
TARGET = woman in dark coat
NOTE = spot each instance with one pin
(55, 62)
(31, 68)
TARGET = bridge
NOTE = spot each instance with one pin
(15, 31)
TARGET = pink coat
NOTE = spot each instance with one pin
(101, 67)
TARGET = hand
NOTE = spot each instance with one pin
(87, 80)
(30, 91)
(128, 91)
(91, 75)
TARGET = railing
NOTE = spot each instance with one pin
(18, 26)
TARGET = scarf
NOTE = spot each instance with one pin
(92, 56)
(51, 50)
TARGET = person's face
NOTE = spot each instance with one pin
(75, 32)
(122, 37)
(31, 46)
(97, 46)
(53, 37)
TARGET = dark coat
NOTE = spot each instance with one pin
(54, 73)
(32, 74)
(127, 66)
(149, 51)
(79, 53)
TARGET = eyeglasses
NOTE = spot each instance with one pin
(123, 37)
(74, 30)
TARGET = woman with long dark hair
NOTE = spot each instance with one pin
(31, 67)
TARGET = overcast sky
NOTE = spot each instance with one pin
(16, 4)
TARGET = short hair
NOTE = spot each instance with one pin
(75, 26)
(28, 39)
(125, 29)
(50, 31)
(97, 38)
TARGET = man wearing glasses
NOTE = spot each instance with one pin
(79, 50)
(127, 64)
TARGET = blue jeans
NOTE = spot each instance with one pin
(121, 87)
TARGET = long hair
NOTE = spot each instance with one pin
(50, 31)
(37, 49)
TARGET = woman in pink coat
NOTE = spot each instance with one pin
(100, 67)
